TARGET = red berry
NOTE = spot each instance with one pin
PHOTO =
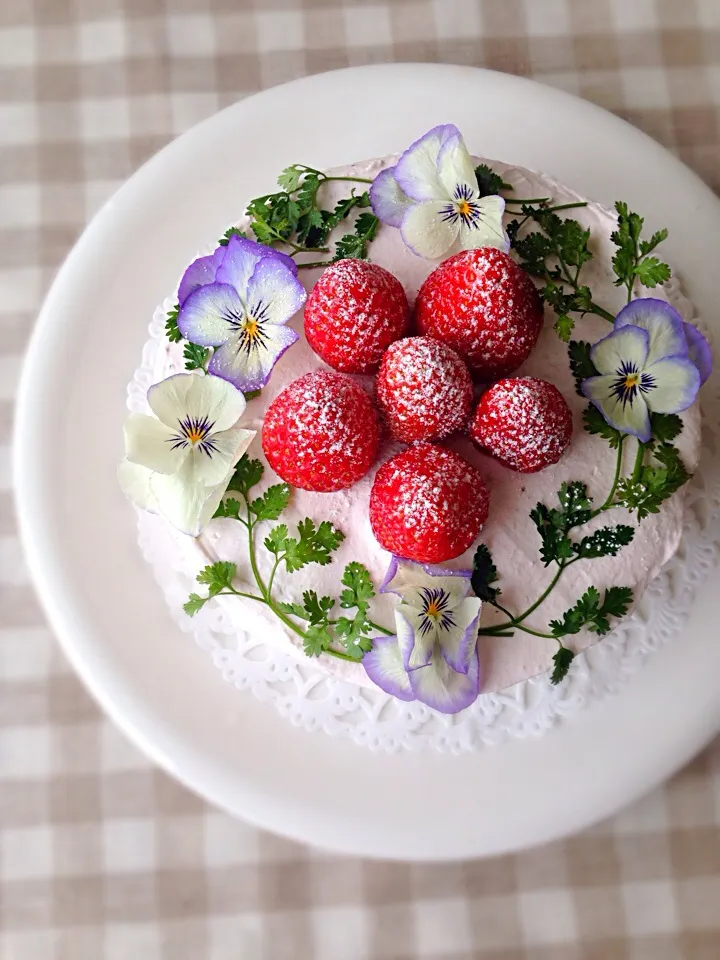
(428, 504)
(524, 422)
(322, 432)
(484, 306)
(423, 389)
(354, 312)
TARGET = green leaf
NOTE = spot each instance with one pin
(575, 503)
(534, 249)
(484, 575)
(591, 614)
(293, 609)
(354, 245)
(665, 427)
(248, 473)
(195, 356)
(289, 179)
(172, 332)
(277, 540)
(605, 542)
(317, 608)
(251, 394)
(272, 503)
(562, 660)
(232, 232)
(317, 639)
(581, 364)
(359, 587)
(654, 484)
(596, 424)
(313, 546)
(554, 525)
(650, 272)
(229, 508)
(194, 603)
(489, 183)
(655, 240)
(217, 576)
(564, 326)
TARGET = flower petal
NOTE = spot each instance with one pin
(185, 504)
(152, 444)
(629, 417)
(211, 461)
(134, 482)
(250, 369)
(698, 350)
(387, 198)
(383, 664)
(209, 397)
(677, 381)
(210, 314)
(417, 169)
(627, 345)
(241, 259)
(274, 295)
(442, 688)
(456, 169)
(457, 643)
(427, 230)
(406, 579)
(200, 272)
(662, 322)
(487, 230)
(416, 645)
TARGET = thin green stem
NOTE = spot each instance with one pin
(616, 479)
(516, 200)
(600, 312)
(515, 622)
(376, 626)
(314, 263)
(273, 572)
(348, 179)
(638, 465)
(231, 592)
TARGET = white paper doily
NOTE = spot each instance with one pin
(308, 698)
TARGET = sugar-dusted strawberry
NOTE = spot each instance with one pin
(322, 432)
(423, 389)
(354, 312)
(484, 306)
(428, 504)
(523, 422)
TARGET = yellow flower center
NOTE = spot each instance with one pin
(463, 208)
(251, 328)
(432, 609)
(632, 380)
(195, 434)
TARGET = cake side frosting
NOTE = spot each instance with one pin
(508, 532)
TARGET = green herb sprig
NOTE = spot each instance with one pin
(633, 262)
(347, 636)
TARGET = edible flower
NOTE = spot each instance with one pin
(239, 301)
(179, 462)
(652, 362)
(433, 657)
(432, 196)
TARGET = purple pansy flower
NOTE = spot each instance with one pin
(652, 362)
(239, 301)
(433, 658)
(431, 195)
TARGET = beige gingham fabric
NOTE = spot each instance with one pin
(102, 857)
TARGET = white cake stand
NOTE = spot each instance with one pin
(80, 534)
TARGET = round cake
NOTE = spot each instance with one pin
(513, 539)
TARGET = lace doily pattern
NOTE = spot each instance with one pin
(310, 699)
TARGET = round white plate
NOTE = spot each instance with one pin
(80, 534)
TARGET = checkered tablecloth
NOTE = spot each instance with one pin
(101, 855)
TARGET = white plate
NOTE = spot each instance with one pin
(80, 534)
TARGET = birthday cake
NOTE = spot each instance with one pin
(425, 419)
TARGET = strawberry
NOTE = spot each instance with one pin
(354, 312)
(484, 306)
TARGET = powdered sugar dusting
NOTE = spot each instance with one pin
(428, 504)
(322, 432)
(484, 306)
(524, 422)
(423, 389)
(354, 311)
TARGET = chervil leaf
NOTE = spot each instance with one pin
(564, 326)
(553, 525)
(313, 546)
(218, 576)
(355, 244)
(655, 240)
(248, 473)
(272, 503)
(581, 365)
(489, 183)
(195, 356)
(484, 575)
(232, 232)
(359, 587)
(605, 542)
(654, 484)
(650, 272)
(293, 609)
(316, 640)
(277, 540)
(534, 249)
(228, 508)
(194, 603)
(317, 608)
(172, 331)
(665, 427)
(591, 614)
(289, 179)
(562, 660)
(596, 424)
(251, 394)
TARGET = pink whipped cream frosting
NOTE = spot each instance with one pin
(509, 532)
